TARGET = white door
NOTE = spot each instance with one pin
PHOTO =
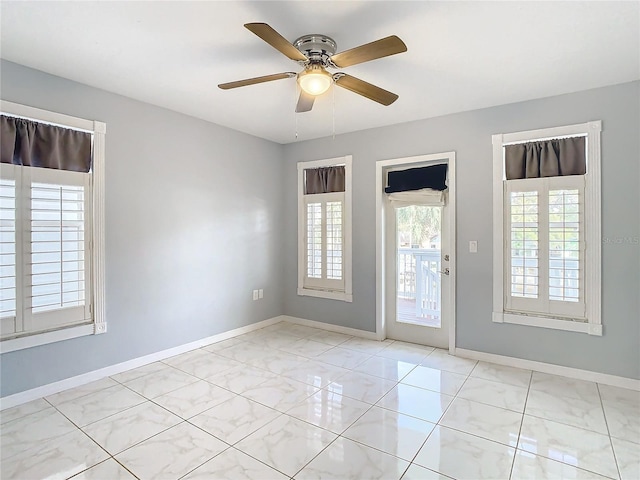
(418, 271)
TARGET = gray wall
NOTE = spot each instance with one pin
(469, 135)
(197, 216)
(193, 216)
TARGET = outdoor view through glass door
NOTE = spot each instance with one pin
(418, 265)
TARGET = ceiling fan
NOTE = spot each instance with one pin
(316, 53)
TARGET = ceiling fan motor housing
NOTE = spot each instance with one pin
(317, 48)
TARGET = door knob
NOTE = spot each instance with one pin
(445, 271)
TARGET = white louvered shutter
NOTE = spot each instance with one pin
(57, 270)
(324, 241)
(544, 246)
(8, 251)
(45, 216)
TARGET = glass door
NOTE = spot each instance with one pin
(417, 271)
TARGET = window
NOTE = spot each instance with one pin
(324, 228)
(51, 224)
(547, 228)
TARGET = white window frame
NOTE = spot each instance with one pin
(96, 270)
(592, 323)
(327, 292)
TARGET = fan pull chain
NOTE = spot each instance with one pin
(295, 114)
(333, 93)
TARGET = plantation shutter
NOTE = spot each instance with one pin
(8, 255)
(545, 228)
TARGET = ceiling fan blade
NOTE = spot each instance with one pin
(365, 89)
(371, 51)
(277, 41)
(253, 81)
(305, 102)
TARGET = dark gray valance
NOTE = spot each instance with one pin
(33, 144)
(324, 180)
(548, 158)
(433, 177)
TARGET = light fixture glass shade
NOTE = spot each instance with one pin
(315, 81)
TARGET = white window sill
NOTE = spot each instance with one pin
(34, 340)
(544, 322)
(307, 292)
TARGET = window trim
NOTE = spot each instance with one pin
(99, 324)
(347, 295)
(592, 220)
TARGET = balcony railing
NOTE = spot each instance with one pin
(419, 280)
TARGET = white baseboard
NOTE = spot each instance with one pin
(72, 382)
(332, 328)
(570, 372)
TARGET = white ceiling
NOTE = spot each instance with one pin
(461, 55)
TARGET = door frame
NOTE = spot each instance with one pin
(382, 167)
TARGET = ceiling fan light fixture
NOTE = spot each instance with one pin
(315, 80)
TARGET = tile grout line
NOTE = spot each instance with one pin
(370, 406)
(83, 395)
(567, 424)
(88, 436)
(4, 425)
(554, 459)
(231, 447)
(77, 428)
(606, 422)
(437, 424)
(100, 463)
(173, 426)
(524, 409)
(123, 466)
(165, 430)
(316, 456)
(589, 430)
(338, 435)
(206, 461)
(271, 421)
(149, 400)
(242, 438)
(258, 460)
(455, 396)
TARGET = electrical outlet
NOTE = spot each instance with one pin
(255, 294)
(473, 246)
(261, 293)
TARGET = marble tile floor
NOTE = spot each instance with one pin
(294, 402)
